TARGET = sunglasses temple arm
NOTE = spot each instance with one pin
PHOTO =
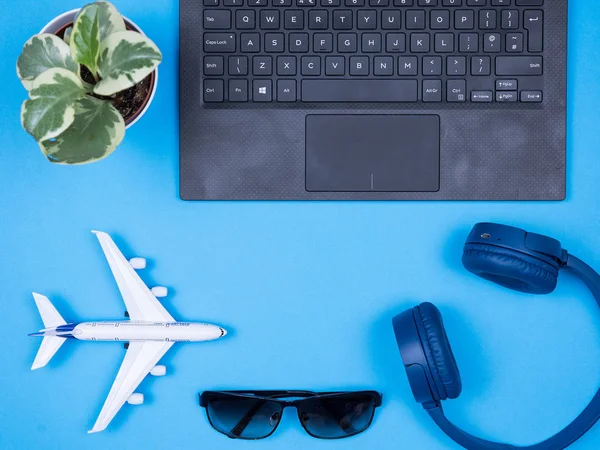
(239, 428)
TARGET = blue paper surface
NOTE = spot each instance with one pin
(307, 290)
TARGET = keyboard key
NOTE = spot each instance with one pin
(534, 24)
(269, 20)
(347, 43)
(519, 65)
(432, 91)
(286, 90)
(294, 20)
(245, 19)
(238, 65)
(359, 65)
(440, 19)
(318, 19)
(367, 19)
(530, 2)
(213, 91)
(456, 65)
(323, 43)
(262, 65)
(360, 91)
(383, 66)
(488, 20)
(262, 91)
(395, 42)
(238, 90)
(342, 20)
(311, 66)
(464, 20)
(469, 43)
(506, 85)
(510, 19)
(391, 20)
(432, 65)
(330, 2)
(274, 42)
(213, 65)
(415, 20)
(407, 66)
(482, 96)
(371, 43)
(444, 42)
(250, 43)
(298, 42)
(335, 66)
(215, 19)
(481, 66)
(457, 91)
(506, 97)
(219, 43)
(419, 43)
(531, 96)
(492, 42)
(286, 65)
(257, 2)
(514, 42)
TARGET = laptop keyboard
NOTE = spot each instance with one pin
(373, 51)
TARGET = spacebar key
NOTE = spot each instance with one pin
(388, 91)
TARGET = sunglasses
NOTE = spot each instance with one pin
(256, 414)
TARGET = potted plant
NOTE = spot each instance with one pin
(90, 74)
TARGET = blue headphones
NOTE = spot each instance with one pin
(510, 257)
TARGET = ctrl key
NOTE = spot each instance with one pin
(213, 91)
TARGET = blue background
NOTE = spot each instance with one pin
(307, 290)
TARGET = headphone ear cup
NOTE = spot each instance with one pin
(510, 268)
(438, 351)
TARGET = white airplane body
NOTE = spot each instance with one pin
(148, 335)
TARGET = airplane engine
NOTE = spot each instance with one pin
(138, 263)
(136, 399)
(160, 291)
(158, 371)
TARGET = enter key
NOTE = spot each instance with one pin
(534, 24)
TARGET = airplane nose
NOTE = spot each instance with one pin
(223, 331)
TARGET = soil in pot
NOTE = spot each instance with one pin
(129, 102)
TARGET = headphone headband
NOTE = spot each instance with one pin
(511, 257)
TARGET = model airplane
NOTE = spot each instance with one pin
(148, 335)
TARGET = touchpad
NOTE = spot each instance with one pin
(363, 153)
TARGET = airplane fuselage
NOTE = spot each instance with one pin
(130, 330)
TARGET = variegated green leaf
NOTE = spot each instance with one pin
(51, 108)
(96, 132)
(110, 20)
(67, 35)
(126, 58)
(43, 52)
(85, 38)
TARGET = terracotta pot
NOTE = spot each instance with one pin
(58, 26)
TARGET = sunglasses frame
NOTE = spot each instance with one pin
(277, 395)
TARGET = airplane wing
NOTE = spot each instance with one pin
(140, 302)
(139, 360)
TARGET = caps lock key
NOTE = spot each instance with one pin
(219, 43)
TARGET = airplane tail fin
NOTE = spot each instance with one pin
(51, 319)
(50, 345)
(48, 312)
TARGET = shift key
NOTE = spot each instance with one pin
(519, 65)
(219, 43)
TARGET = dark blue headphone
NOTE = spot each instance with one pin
(516, 259)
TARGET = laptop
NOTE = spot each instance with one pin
(373, 99)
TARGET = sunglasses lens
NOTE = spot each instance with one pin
(243, 417)
(337, 416)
